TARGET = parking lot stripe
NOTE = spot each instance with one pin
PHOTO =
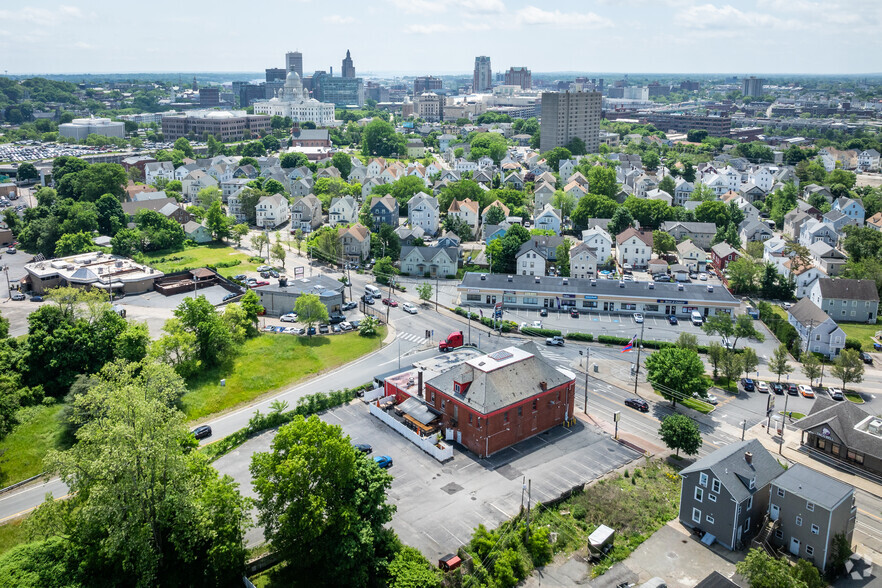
(500, 510)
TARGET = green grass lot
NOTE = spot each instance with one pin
(862, 332)
(11, 534)
(201, 256)
(854, 397)
(25, 447)
(693, 403)
(794, 415)
(270, 362)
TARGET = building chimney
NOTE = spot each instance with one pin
(748, 457)
(543, 385)
(420, 385)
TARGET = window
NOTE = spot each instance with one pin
(779, 533)
(479, 422)
(810, 506)
(709, 519)
(699, 494)
(702, 480)
(809, 550)
(750, 503)
(747, 524)
(505, 416)
(456, 388)
(456, 411)
(534, 405)
(470, 418)
(715, 486)
(798, 521)
(696, 515)
(520, 411)
(815, 530)
(713, 498)
(781, 492)
(443, 403)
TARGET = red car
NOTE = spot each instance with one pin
(390, 302)
(261, 283)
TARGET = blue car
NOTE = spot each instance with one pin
(384, 461)
(673, 320)
(747, 384)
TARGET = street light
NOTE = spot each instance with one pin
(587, 354)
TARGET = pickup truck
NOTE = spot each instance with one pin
(556, 340)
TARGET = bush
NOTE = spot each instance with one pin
(540, 332)
(851, 343)
(580, 336)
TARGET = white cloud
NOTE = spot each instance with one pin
(338, 20)
(418, 6)
(429, 29)
(82, 45)
(532, 15)
(710, 16)
(481, 6)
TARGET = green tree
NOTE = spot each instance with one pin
(310, 310)
(343, 163)
(217, 222)
(732, 365)
(745, 329)
(26, 171)
(563, 257)
(593, 206)
(213, 342)
(668, 185)
(679, 432)
(111, 217)
(277, 252)
(384, 271)
(323, 505)
(848, 367)
(676, 372)
(663, 242)
(164, 517)
(778, 362)
(761, 570)
(688, 172)
(565, 202)
(602, 180)
(651, 160)
(410, 569)
(258, 242)
(458, 226)
(621, 220)
(811, 367)
(73, 243)
(380, 139)
(749, 361)
(177, 348)
(424, 291)
(720, 324)
(743, 273)
(183, 145)
(576, 146)
(687, 341)
(715, 354)
(238, 231)
(494, 215)
(554, 156)
(369, 327)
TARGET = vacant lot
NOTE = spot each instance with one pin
(862, 332)
(214, 254)
(270, 362)
(25, 447)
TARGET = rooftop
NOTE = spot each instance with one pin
(97, 269)
(813, 486)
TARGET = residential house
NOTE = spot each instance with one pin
(867, 160)
(231, 187)
(157, 170)
(301, 187)
(754, 231)
(408, 235)
(483, 177)
(514, 180)
(548, 219)
(329, 172)
(819, 333)
(490, 233)
(847, 300)
(448, 239)
(600, 241)
(531, 259)
(752, 193)
(306, 213)
(763, 179)
(416, 148)
(576, 190)
(807, 509)
(430, 261)
(813, 231)
(722, 254)
(358, 173)
(682, 191)
(368, 185)
(793, 222)
(634, 248)
(701, 234)
(542, 195)
(583, 261)
(495, 204)
(692, 256)
(355, 242)
(197, 232)
(656, 194)
(803, 276)
(566, 167)
(828, 259)
(851, 208)
(272, 211)
(196, 181)
(726, 493)
(875, 222)
(467, 210)
(813, 189)
(343, 211)
(423, 211)
(843, 431)
(384, 210)
(246, 172)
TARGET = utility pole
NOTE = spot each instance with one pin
(529, 486)
(587, 359)
(640, 346)
(389, 306)
(808, 339)
(743, 427)
(436, 292)
(469, 316)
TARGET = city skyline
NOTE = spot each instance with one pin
(765, 37)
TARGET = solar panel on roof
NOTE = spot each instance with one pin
(500, 355)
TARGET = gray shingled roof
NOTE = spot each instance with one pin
(813, 486)
(729, 465)
(841, 417)
(847, 289)
(807, 312)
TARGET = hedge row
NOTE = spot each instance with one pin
(783, 330)
(259, 422)
(580, 337)
(507, 326)
(540, 332)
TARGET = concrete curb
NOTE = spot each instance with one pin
(20, 484)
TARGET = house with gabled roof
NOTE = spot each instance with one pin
(423, 211)
(384, 210)
(819, 332)
(549, 219)
(850, 208)
(843, 431)
(355, 242)
(828, 259)
(306, 213)
(343, 211)
(692, 256)
(701, 234)
(847, 300)
(634, 248)
(429, 261)
(599, 240)
(467, 210)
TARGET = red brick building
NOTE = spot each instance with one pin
(493, 401)
(722, 254)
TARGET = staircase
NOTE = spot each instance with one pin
(762, 539)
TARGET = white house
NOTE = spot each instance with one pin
(423, 211)
(867, 160)
(600, 241)
(466, 210)
(682, 191)
(156, 170)
(583, 261)
(195, 181)
(763, 179)
(633, 248)
(850, 208)
(272, 211)
(343, 211)
(804, 277)
(429, 261)
(531, 259)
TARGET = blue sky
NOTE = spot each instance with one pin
(443, 36)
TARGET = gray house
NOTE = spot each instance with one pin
(725, 493)
(819, 332)
(843, 431)
(807, 509)
(845, 300)
(384, 211)
(700, 233)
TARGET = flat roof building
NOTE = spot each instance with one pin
(226, 125)
(111, 273)
(80, 128)
(568, 115)
(279, 298)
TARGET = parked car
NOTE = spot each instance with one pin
(18, 296)
(294, 331)
(10, 250)
(638, 404)
(747, 384)
(390, 302)
(36, 298)
(702, 277)
(265, 275)
(673, 320)
(638, 318)
(574, 313)
(264, 268)
(792, 389)
(762, 387)
(835, 393)
(867, 358)
(543, 312)
(336, 328)
(261, 283)
(556, 341)
(230, 296)
(363, 447)
(663, 278)
(346, 326)
(806, 391)
(274, 273)
(240, 277)
(290, 317)
(336, 318)
(384, 461)
(202, 432)
(311, 331)
(777, 388)
(409, 308)
(355, 324)
(350, 305)
(324, 329)
(368, 299)
(711, 399)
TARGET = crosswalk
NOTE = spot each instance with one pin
(410, 337)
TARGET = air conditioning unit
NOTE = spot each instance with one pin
(680, 287)
(875, 427)
(710, 288)
(593, 282)
(652, 285)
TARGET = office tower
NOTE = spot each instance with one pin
(566, 115)
(274, 74)
(519, 76)
(752, 86)
(294, 62)
(209, 97)
(348, 68)
(425, 84)
(483, 77)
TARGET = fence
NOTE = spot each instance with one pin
(427, 444)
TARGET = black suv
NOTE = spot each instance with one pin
(637, 403)
(866, 358)
(777, 388)
(202, 432)
(336, 318)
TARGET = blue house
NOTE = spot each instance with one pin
(384, 211)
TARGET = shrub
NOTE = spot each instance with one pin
(579, 512)
(852, 343)
(540, 332)
(580, 336)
